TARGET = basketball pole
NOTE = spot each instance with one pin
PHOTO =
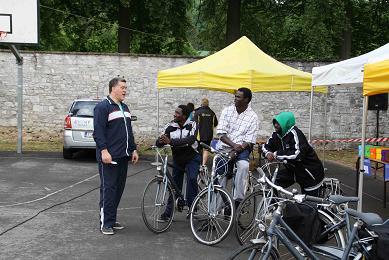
(19, 62)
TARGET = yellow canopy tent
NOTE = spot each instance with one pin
(241, 64)
(375, 81)
(376, 78)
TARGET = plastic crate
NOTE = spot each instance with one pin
(373, 152)
(379, 152)
(367, 150)
(385, 156)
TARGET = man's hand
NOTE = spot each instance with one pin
(164, 139)
(134, 157)
(233, 154)
(270, 156)
(238, 148)
(106, 156)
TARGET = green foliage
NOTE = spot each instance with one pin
(310, 29)
(303, 29)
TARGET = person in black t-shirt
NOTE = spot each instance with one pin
(206, 120)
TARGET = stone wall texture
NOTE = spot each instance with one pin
(53, 80)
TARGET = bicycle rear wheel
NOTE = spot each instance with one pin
(333, 238)
(252, 212)
(253, 251)
(154, 203)
(212, 216)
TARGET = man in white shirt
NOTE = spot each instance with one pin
(237, 129)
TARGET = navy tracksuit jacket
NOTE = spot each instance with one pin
(112, 131)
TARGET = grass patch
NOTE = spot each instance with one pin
(344, 157)
(42, 146)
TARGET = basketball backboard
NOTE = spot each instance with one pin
(19, 19)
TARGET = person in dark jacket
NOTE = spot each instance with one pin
(114, 147)
(289, 143)
(180, 134)
(191, 109)
(206, 121)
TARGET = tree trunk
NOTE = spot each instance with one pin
(233, 21)
(345, 46)
(124, 35)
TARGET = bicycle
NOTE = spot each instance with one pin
(159, 193)
(212, 212)
(257, 208)
(278, 230)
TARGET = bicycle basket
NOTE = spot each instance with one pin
(381, 248)
(304, 220)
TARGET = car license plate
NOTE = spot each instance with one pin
(88, 134)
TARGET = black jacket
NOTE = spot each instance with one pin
(206, 120)
(182, 141)
(295, 148)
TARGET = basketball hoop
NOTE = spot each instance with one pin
(3, 35)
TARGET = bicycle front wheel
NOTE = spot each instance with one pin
(253, 251)
(154, 203)
(212, 216)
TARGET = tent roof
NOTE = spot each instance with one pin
(347, 72)
(241, 64)
(376, 78)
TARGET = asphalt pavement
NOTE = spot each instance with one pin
(49, 210)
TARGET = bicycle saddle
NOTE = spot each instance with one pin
(339, 199)
(368, 218)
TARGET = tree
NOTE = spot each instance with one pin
(233, 21)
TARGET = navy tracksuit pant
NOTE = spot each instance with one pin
(112, 182)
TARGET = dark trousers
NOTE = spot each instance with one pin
(112, 182)
(192, 170)
(288, 176)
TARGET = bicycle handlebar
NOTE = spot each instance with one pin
(213, 150)
(297, 197)
(160, 147)
(314, 199)
(263, 178)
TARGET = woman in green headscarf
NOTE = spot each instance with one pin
(289, 143)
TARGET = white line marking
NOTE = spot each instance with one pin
(50, 194)
(367, 194)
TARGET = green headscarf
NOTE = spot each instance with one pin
(286, 120)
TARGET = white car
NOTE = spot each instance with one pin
(78, 127)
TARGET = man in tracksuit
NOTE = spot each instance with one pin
(114, 147)
(180, 134)
(289, 143)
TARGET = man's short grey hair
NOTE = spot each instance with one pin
(114, 82)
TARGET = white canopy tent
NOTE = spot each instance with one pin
(348, 73)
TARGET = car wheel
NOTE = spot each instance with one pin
(67, 153)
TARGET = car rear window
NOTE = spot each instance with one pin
(83, 108)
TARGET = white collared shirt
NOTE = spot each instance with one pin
(239, 128)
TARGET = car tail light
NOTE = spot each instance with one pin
(68, 122)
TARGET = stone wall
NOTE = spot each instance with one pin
(53, 80)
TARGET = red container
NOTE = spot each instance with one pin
(385, 156)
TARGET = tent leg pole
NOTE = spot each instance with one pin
(310, 115)
(361, 166)
(157, 132)
(325, 130)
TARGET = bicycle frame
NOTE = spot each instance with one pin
(211, 183)
(166, 176)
